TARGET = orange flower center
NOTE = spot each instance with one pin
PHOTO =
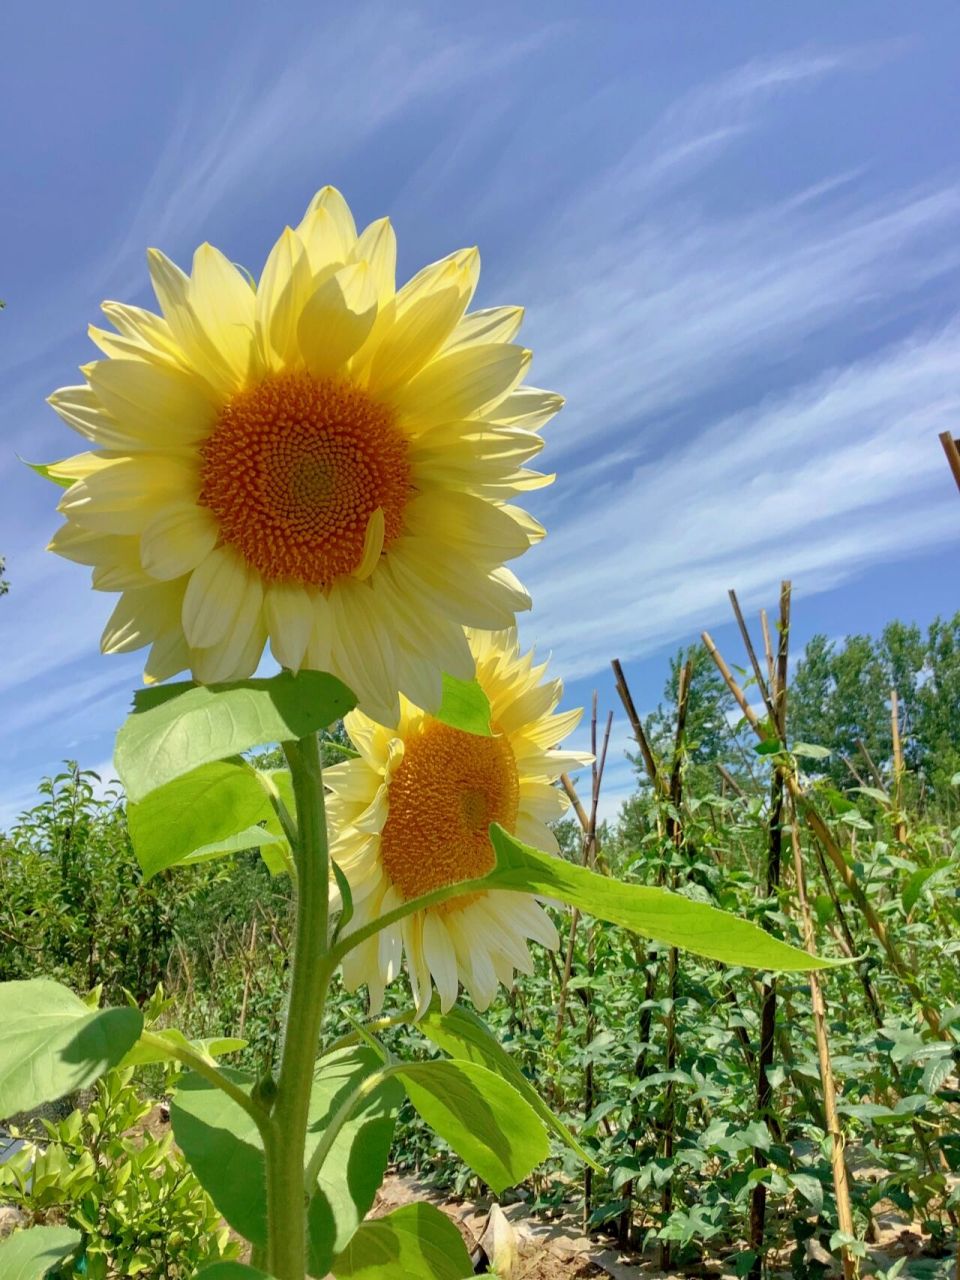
(447, 790)
(295, 468)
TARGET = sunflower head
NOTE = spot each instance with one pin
(412, 814)
(320, 460)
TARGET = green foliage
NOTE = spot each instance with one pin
(54, 1043)
(465, 706)
(176, 728)
(124, 1193)
(30, 1255)
(417, 1240)
(654, 913)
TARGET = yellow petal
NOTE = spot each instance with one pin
(172, 288)
(327, 230)
(215, 595)
(177, 539)
(372, 545)
(377, 247)
(283, 289)
(336, 319)
(224, 304)
(152, 404)
(289, 615)
(527, 407)
(494, 324)
(461, 384)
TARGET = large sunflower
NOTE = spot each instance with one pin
(411, 815)
(320, 460)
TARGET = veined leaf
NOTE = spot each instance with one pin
(463, 1035)
(176, 728)
(918, 881)
(351, 1174)
(54, 1043)
(655, 913)
(210, 812)
(465, 706)
(482, 1117)
(223, 1147)
(417, 1242)
(31, 1254)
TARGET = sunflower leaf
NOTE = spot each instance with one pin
(415, 1240)
(483, 1118)
(176, 728)
(465, 706)
(32, 1254)
(654, 913)
(53, 1043)
(231, 1271)
(208, 813)
(463, 1035)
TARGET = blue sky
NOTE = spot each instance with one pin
(735, 230)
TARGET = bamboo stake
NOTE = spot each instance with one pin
(765, 693)
(899, 826)
(675, 831)
(776, 703)
(820, 829)
(953, 459)
(841, 1179)
(649, 759)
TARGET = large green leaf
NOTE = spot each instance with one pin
(29, 1255)
(654, 913)
(231, 1271)
(178, 727)
(416, 1242)
(221, 1142)
(213, 810)
(465, 706)
(465, 1036)
(353, 1169)
(482, 1117)
(51, 1043)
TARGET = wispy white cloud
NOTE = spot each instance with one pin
(815, 485)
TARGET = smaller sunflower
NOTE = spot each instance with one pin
(411, 815)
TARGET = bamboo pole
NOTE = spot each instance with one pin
(776, 705)
(953, 454)
(820, 829)
(841, 1178)
(899, 825)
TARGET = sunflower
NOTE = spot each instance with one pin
(411, 815)
(318, 459)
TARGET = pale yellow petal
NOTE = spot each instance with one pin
(172, 288)
(327, 230)
(493, 324)
(155, 405)
(336, 319)
(527, 407)
(215, 595)
(176, 540)
(289, 613)
(281, 294)
(140, 616)
(461, 384)
(225, 305)
(372, 545)
(377, 247)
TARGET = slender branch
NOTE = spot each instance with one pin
(765, 693)
(649, 759)
(953, 454)
(196, 1062)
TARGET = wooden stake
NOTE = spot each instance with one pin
(953, 454)
(899, 825)
(841, 1180)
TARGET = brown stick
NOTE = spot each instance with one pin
(768, 648)
(899, 825)
(751, 654)
(841, 1180)
(768, 1003)
(649, 759)
(953, 457)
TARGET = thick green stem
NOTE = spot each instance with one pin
(285, 1140)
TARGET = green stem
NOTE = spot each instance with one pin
(285, 1139)
(189, 1058)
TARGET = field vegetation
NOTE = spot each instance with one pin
(801, 1124)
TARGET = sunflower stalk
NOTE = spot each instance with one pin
(286, 1135)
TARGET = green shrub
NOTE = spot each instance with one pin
(137, 1205)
